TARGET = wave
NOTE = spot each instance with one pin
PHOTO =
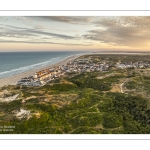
(34, 66)
(22, 69)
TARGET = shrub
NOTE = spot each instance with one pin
(112, 120)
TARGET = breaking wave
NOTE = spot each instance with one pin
(27, 68)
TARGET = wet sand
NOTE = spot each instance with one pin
(12, 80)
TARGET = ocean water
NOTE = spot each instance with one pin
(12, 63)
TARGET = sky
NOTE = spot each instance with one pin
(52, 33)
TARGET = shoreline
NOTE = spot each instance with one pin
(12, 80)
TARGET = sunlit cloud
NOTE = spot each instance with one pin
(127, 31)
(83, 32)
(65, 19)
(34, 42)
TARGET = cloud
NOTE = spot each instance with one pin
(66, 19)
(39, 26)
(127, 31)
(13, 31)
(62, 36)
(43, 42)
(121, 31)
(7, 27)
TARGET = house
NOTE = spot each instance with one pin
(25, 81)
(129, 66)
(122, 66)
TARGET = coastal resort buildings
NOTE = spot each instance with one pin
(44, 76)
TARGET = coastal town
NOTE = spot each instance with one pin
(42, 77)
(133, 65)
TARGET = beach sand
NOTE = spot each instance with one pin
(12, 80)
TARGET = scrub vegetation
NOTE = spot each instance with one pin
(83, 103)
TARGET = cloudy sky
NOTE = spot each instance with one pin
(74, 33)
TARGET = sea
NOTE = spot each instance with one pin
(12, 63)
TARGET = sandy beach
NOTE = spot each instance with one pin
(12, 80)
